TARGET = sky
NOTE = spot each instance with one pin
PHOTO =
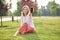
(14, 5)
(39, 2)
(45, 2)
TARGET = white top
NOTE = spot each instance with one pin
(27, 19)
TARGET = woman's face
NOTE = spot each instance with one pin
(25, 10)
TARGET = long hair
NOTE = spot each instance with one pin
(27, 8)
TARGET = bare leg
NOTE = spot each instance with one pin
(16, 33)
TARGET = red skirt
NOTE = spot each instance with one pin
(25, 29)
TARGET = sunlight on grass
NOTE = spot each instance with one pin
(47, 28)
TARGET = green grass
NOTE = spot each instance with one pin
(47, 28)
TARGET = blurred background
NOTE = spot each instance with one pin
(38, 7)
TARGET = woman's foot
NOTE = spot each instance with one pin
(14, 35)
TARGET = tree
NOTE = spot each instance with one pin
(18, 12)
(3, 8)
(58, 11)
(53, 7)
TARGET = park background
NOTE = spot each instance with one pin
(46, 17)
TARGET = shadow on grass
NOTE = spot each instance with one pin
(3, 26)
(30, 36)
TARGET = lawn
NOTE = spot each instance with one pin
(47, 28)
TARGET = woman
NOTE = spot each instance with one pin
(26, 22)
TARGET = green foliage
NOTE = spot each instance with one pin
(58, 11)
(35, 13)
(19, 8)
(53, 6)
(3, 10)
(4, 13)
(51, 10)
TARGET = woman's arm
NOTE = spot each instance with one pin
(30, 14)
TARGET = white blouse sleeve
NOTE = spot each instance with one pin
(21, 20)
